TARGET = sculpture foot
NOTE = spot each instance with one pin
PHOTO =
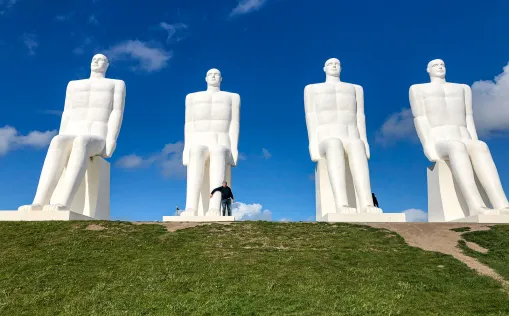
(188, 212)
(373, 210)
(55, 207)
(503, 211)
(345, 209)
(31, 207)
(213, 212)
(486, 211)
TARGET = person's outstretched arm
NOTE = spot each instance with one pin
(214, 191)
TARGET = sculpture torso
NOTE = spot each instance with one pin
(90, 104)
(445, 109)
(335, 107)
(211, 114)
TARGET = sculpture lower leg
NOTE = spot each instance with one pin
(360, 174)
(335, 156)
(217, 176)
(51, 172)
(195, 171)
(463, 173)
(488, 176)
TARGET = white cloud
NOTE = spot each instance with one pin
(169, 160)
(415, 215)
(80, 50)
(247, 6)
(6, 5)
(147, 57)
(93, 20)
(64, 17)
(266, 153)
(10, 139)
(250, 212)
(30, 41)
(172, 29)
(491, 104)
(399, 126)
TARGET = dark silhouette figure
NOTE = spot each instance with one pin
(375, 201)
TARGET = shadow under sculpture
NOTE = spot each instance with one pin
(338, 143)
(210, 144)
(89, 128)
(444, 122)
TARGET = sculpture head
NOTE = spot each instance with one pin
(99, 63)
(213, 78)
(436, 69)
(332, 67)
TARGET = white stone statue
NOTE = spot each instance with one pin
(90, 125)
(210, 144)
(337, 134)
(445, 125)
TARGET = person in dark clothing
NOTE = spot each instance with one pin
(375, 201)
(226, 198)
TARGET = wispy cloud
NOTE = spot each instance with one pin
(30, 41)
(266, 153)
(6, 5)
(93, 20)
(169, 160)
(11, 139)
(247, 6)
(415, 215)
(147, 57)
(172, 29)
(491, 104)
(399, 126)
(64, 17)
(80, 50)
(250, 212)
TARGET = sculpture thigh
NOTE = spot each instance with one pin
(70, 152)
(219, 157)
(332, 149)
(457, 154)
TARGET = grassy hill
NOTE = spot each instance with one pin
(244, 268)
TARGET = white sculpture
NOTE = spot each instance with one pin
(210, 148)
(337, 142)
(445, 125)
(90, 125)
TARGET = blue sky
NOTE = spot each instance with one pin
(267, 51)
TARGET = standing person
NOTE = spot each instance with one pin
(226, 198)
(375, 201)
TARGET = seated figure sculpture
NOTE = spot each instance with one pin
(337, 133)
(211, 138)
(90, 125)
(445, 125)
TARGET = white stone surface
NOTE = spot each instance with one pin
(198, 218)
(364, 218)
(444, 122)
(42, 216)
(485, 219)
(210, 144)
(337, 142)
(74, 177)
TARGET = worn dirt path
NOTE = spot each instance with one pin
(439, 237)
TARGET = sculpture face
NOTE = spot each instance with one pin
(99, 63)
(332, 67)
(436, 68)
(213, 78)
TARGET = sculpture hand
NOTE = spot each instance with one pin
(109, 149)
(315, 155)
(366, 146)
(235, 156)
(185, 157)
(431, 154)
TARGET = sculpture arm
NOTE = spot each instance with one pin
(115, 119)
(67, 109)
(311, 124)
(470, 114)
(422, 125)
(361, 118)
(235, 127)
(188, 130)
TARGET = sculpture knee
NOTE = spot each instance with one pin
(332, 144)
(457, 149)
(357, 145)
(480, 146)
(58, 142)
(81, 144)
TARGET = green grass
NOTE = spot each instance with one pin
(249, 268)
(461, 229)
(496, 240)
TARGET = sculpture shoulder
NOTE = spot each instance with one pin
(235, 96)
(417, 87)
(358, 88)
(311, 87)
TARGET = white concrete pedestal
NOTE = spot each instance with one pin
(446, 202)
(326, 206)
(42, 216)
(198, 218)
